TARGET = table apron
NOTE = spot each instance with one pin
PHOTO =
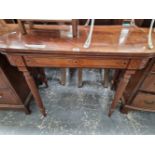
(37, 61)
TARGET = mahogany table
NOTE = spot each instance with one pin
(55, 48)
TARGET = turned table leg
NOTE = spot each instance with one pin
(34, 90)
(120, 89)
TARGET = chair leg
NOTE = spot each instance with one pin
(43, 76)
(124, 110)
(31, 25)
(75, 27)
(21, 26)
(79, 77)
(63, 76)
(106, 78)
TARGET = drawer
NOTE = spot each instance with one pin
(153, 68)
(3, 80)
(8, 97)
(2, 83)
(74, 62)
(145, 101)
(149, 83)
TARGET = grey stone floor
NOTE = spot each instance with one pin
(73, 110)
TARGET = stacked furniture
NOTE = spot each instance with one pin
(31, 22)
(64, 52)
(140, 92)
(133, 61)
(14, 92)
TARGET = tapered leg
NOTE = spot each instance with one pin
(63, 76)
(79, 77)
(120, 89)
(34, 90)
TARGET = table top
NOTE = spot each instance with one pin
(58, 39)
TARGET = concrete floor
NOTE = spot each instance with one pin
(73, 110)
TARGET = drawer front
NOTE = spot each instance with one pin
(153, 69)
(3, 80)
(8, 97)
(2, 83)
(146, 101)
(74, 62)
(149, 83)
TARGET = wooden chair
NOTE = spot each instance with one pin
(6, 28)
(31, 22)
(87, 44)
(150, 42)
(73, 22)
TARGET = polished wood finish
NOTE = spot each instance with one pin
(73, 22)
(57, 49)
(50, 61)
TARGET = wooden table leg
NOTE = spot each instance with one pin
(34, 90)
(120, 89)
(43, 76)
(79, 71)
(106, 78)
